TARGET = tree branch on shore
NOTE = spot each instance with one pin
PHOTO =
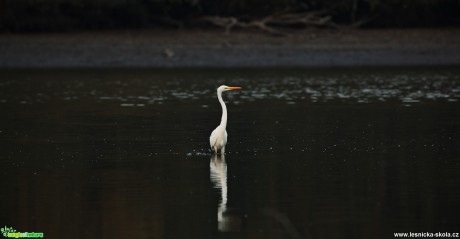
(273, 23)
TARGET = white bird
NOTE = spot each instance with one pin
(218, 138)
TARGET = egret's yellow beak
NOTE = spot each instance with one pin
(233, 88)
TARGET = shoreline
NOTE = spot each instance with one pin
(213, 48)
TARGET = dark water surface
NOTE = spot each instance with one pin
(311, 153)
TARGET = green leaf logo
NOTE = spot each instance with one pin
(5, 230)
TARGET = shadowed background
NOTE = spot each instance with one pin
(60, 15)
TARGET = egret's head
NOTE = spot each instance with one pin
(226, 88)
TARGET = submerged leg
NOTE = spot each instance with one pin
(222, 151)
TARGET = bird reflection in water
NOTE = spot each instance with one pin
(227, 221)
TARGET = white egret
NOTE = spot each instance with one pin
(218, 138)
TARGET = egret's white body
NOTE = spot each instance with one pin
(218, 138)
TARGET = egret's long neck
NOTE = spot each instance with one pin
(223, 121)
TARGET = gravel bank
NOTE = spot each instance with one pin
(196, 48)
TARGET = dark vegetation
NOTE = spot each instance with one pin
(68, 15)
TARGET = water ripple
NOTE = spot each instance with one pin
(406, 88)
